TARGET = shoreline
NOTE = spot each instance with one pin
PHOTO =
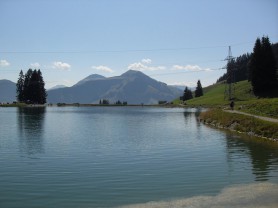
(251, 134)
(242, 124)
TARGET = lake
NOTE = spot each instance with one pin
(129, 156)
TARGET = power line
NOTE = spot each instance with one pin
(188, 71)
(120, 51)
(107, 51)
(128, 50)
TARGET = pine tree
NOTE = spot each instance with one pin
(34, 87)
(199, 89)
(262, 67)
(240, 68)
(187, 95)
(20, 87)
(43, 94)
(241, 72)
(27, 91)
(269, 63)
(30, 87)
(254, 65)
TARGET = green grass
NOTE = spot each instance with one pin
(262, 107)
(214, 94)
(245, 100)
(14, 105)
(240, 123)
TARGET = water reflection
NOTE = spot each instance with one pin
(187, 117)
(188, 113)
(261, 154)
(191, 119)
(30, 126)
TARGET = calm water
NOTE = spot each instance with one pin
(105, 157)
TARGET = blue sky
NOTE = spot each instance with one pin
(173, 41)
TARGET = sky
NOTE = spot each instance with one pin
(173, 41)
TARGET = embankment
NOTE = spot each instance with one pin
(240, 123)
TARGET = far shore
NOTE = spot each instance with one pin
(90, 105)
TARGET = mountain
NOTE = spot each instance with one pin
(90, 78)
(7, 91)
(57, 87)
(133, 86)
(182, 87)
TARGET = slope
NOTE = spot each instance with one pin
(214, 94)
(244, 99)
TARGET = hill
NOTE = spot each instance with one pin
(133, 87)
(214, 94)
(245, 100)
(7, 91)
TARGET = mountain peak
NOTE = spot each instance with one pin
(131, 73)
(90, 78)
(96, 76)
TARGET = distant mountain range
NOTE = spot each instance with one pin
(134, 87)
(57, 87)
(182, 87)
(7, 91)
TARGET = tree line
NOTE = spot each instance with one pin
(263, 72)
(187, 94)
(260, 68)
(107, 102)
(239, 66)
(30, 87)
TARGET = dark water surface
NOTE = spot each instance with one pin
(114, 156)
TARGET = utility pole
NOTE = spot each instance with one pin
(230, 82)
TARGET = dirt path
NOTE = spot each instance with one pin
(255, 116)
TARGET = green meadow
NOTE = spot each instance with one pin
(245, 100)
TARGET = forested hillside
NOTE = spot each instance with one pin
(240, 66)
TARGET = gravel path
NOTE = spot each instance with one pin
(255, 116)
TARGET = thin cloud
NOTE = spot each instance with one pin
(35, 65)
(4, 63)
(188, 84)
(60, 65)
(103, 68)
(146, 61)
(189, 68)
(144, 65)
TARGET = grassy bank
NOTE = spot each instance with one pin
(240, 123)
(262, 107)
(245, 100)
